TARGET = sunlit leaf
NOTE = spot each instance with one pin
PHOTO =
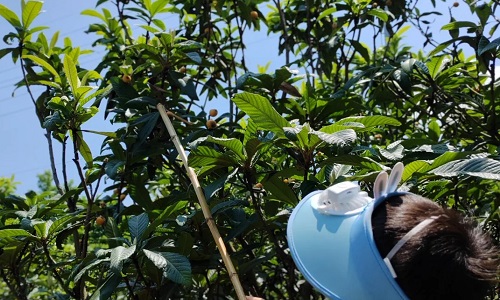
(30, 12)
(261, 112)
(118, 256)
(479, 167)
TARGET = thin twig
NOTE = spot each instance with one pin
(47, 131)
(233, 275)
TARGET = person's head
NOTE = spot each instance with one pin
(396, 246)
(449, 258)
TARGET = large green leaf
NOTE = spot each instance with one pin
(105, 291)
(262, 112)
(45, 64)
(174, 266)
(4, 233)
(204, 156)
(9, 16)
(232, 144)
(71, 74)
(435, 65)
(118, 256)
(138, 225)
(370, 121)
(280, 191)
(30, 12)
(168, 212)
(479, 167)
(339, 138)
(84, 270)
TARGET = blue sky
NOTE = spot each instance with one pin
(23, 147)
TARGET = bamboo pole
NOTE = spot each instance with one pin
(203, 203)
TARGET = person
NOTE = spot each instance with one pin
(450, 258)
(395, 246)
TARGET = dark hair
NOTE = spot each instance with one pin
(450, 258)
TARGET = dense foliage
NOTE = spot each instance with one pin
(360, 101)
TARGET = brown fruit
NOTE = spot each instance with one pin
(254, 14)
(208, 30)
(122, 197)
(100, 220)
(286, 180)
(126, 78)
(456, 4)
(388, 2)
(258, 185)
(213, 112)
(378, 136)
(335, 25)
(211, 124)
(102, 204)
(374, 5)
(183, 70)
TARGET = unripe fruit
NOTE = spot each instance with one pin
(208, 30)
(335, 25)
(126, 78)
(456, 4)
(213, 112)
(254, 14)
(211, 124)
(100, 220)
(102, 204)
(374, 5)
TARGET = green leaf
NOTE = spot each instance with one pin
(280, 191)
(435, 65)
(71, 73)
(370, 121)
(232, 144)
(485, 46)
(194, 56)
(105, 291)
(479, 167)
(394, 151)
(137, 226)
(434, 131)
(94, 13)
(361, 49)
(168, 212)
(42, 228)
(60, 223)
(204, 156)
(43, 63)
(174, 266)
(118, 256)
(326, 12)
(459, 24)
(9, 16)
(4, 233)
(379, 13)
(339, 138)
(83, 148)
(262, 112)
(30, 12)
(355, 160)
(82, 272)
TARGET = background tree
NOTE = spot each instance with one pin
(360, 101)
